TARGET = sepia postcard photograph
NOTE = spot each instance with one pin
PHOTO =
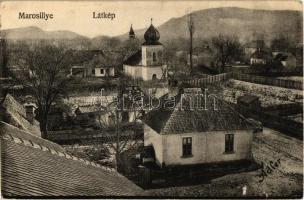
(151, 99)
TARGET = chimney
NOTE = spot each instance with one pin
(30, 112)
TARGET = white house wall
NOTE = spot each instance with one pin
(98, 74)
(156, 140)
(206, 147)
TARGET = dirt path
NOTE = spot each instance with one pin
(285, 181)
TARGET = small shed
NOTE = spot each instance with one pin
(78, 71)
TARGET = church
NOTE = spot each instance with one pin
(147, 63)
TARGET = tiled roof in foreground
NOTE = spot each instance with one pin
(35, 168)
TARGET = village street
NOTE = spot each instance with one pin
(284, 181)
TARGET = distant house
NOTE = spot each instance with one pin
(197, 136)
(91, 115)
(260, 57)
(102, 71)
(96, 63)
(201, 57)
(105, 64)
(78, 71)
(253, 46)
(287, 60)
(249, 101)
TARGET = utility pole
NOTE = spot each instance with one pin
(191, 29)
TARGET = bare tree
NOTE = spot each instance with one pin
(225, 49)
(113, 122)
(43, 71)
(191, 29)
(281, 43)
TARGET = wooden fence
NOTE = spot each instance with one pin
(201, 82)
(268, 81)
(247, 69)
(284, 109)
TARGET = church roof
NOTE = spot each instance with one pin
(134, 59)
(151, 36)
(131, 32)
(32, 166)
(190, 119)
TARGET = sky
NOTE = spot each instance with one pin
(77, 16)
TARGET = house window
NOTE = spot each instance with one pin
(229, 141)
(187, 146)
(93, 71)
(101, 71)
(154, 57)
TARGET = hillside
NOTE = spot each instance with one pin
(29, 33)
(247, 24)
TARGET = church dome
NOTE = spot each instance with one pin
(151, 36)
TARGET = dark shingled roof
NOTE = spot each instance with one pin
(187, 120)
(134, 59)
(32, 166)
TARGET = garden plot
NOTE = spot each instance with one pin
(269, 95)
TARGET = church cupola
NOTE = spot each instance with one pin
(151, 36)
(131, 33)
(152, 49)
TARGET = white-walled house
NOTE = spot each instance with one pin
(190, 137)
(260, 57)
(103, 71)
(104, 64)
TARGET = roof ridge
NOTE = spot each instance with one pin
(35, 145)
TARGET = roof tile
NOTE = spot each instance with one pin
(29, 171)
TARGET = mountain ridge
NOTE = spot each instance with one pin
(247, 24)
(34, 32)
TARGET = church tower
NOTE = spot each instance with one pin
(131, 33)
(147, 62)
(152, 49)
